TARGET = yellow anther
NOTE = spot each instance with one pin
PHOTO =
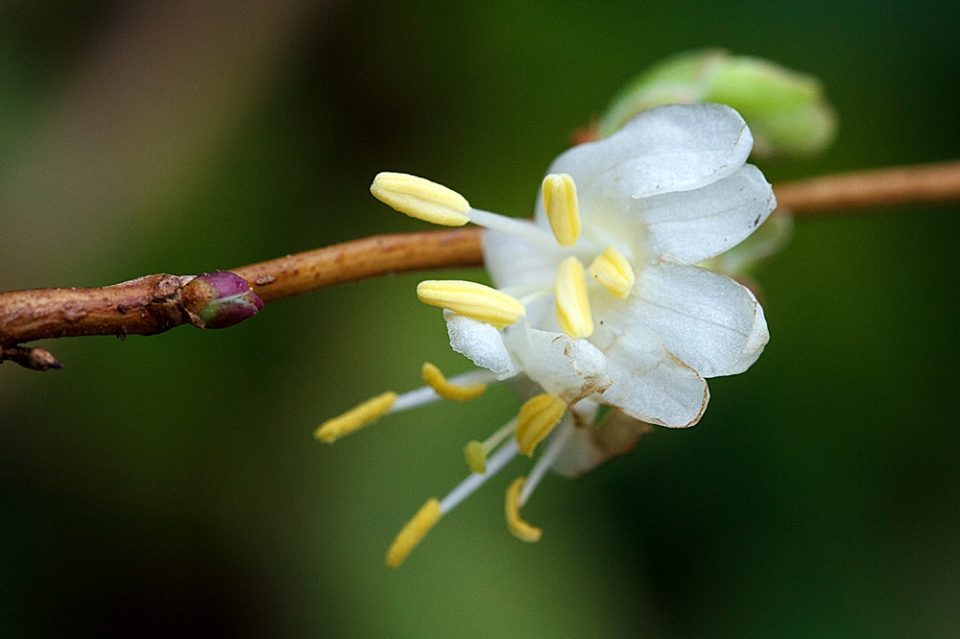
(476, 456)
(519, 527)
(420, 198)
(367, 412)
(613, 270)
(560, 204)
(435, 380)
(573, 305)
(473, 300)
(415, 530)
(476, 452)
(537, 418)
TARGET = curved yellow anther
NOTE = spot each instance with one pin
(613, 271)
(560, 204)
(473, 300)
(476, 455)
(420, 198)
(519, 527)
(366, 413)
(573, 305)
(537, 418)
(435, 380)
(415, 530)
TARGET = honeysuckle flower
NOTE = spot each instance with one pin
(639, 329)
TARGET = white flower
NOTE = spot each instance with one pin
(640, 329)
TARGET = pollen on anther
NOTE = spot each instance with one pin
(414, 532)
(562, 208)
(473, 300)
(613, 271)
(572, 301)
(434, 379)
(421, 198)
(476, 455)
(518, 526)
(537, 418)
(355, 418)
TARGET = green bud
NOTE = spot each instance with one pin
(785, 110)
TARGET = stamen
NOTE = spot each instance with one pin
(613, 271)
(366, 413)
(536, 296)
(427, 395)
(519, 527)
(476, 456)
(560, 204)
(432, 511)
(476, 452)
(415, 399)
(473, 300)
(573, 305)
(475, 480)
(519, 228)
(421, 199)
(412, 534)
(435, 379)
(545, 461)
(538, 416)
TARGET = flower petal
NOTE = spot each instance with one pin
(691, 226)
(708, 321)
(570, 368)
(756, 341)
(649, 382)
(513, 262)
(481, 343)
(590, 446)
(670, 148)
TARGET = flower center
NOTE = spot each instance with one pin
(425, 200)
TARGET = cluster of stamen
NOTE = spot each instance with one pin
(431, 202)
(540, 415)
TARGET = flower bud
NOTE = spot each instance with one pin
(219, 299)
(785, 110)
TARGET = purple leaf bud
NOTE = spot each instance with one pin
(219, 300)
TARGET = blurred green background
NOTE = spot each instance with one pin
(170, 486)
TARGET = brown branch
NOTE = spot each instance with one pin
(832, 194)
(154, 304)
(362, 259)
(144, 306)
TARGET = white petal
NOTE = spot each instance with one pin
(481, 343)
(707, 320)
(692, 226)
(758, 338)
(513, 262)
(670, 148)
(590, 446)
(572, 369)
(649, 383)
